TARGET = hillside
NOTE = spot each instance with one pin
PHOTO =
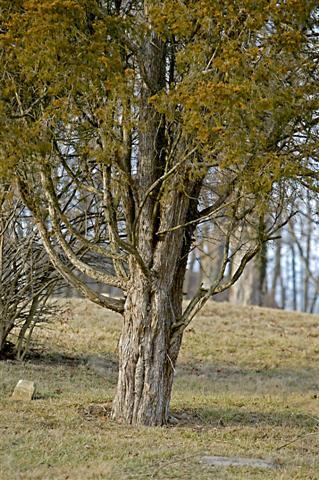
(247, 384)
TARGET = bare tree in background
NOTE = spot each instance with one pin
(27, 278)
(297, 263)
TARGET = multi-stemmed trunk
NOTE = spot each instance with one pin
(148, 348)
(147, 353)
(150, 340)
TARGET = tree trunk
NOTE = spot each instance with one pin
(148, 347)
(277, 272)
(147, 353)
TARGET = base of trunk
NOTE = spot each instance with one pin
(147, 359)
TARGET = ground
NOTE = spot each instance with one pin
(247, 384)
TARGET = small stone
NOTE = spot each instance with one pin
(24, 390)
(237, 462)
(172, 420)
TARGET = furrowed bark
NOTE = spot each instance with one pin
(147, 357)
(149, 345)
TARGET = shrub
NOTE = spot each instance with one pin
(27, 278)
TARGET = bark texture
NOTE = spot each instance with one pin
(149, 345)
(147, 354)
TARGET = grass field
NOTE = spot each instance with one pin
(247, 384)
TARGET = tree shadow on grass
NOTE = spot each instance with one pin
(219, 418)
(107, 359)
(228, 377)
(210, 417)
(54, 359)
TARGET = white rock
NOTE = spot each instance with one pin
(24, 390)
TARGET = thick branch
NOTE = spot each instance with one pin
(72, 257)
(110, 303)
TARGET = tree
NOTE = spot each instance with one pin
(295, 259)
(122, 118)
(26, 275)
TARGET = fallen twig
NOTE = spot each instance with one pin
(303, 435)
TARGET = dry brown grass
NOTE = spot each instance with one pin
(247, 384)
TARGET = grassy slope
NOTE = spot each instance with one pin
(247, 383)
